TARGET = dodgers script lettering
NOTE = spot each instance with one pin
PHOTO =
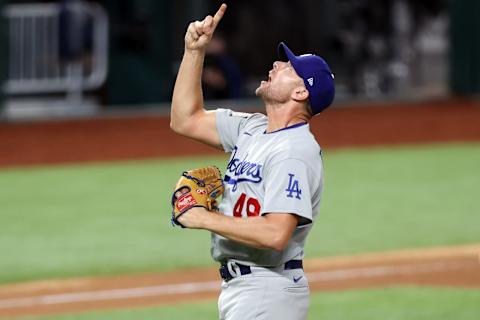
(243, 170)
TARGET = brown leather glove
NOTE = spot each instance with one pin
(196, 188)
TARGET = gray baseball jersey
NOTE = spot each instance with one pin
(279, 171)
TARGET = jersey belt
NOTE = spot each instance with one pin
(244, 270)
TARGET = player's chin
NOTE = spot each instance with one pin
(261, 89)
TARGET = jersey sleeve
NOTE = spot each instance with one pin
(229, 126)
(288, 189)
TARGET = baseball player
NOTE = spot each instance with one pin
(273, 181)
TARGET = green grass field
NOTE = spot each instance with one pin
(77, 220)
(371, 304)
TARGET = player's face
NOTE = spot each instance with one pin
(282, 80)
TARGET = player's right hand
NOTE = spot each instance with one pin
(199, 33)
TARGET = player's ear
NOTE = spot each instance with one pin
(300, 94)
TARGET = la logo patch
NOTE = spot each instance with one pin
(293, 187)
(310, 81)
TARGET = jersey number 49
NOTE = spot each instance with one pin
(252, 208)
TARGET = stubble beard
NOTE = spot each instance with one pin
(262, 92)
(265, 95)
(269, 95)
(258, 91)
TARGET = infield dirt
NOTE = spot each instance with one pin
(447, 266)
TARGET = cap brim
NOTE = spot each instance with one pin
(284, 53)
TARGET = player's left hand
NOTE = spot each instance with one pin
(196, 188)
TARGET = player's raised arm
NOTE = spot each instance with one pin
(188, 116)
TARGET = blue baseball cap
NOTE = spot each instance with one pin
(316, 75)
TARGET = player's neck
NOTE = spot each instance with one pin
(283, 117)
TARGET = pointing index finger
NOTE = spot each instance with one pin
(219, 15)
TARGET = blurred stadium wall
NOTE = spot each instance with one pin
(465, 47)
(379, 50)
(140, 51)
(3, 51)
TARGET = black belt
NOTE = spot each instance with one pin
(243, 269)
